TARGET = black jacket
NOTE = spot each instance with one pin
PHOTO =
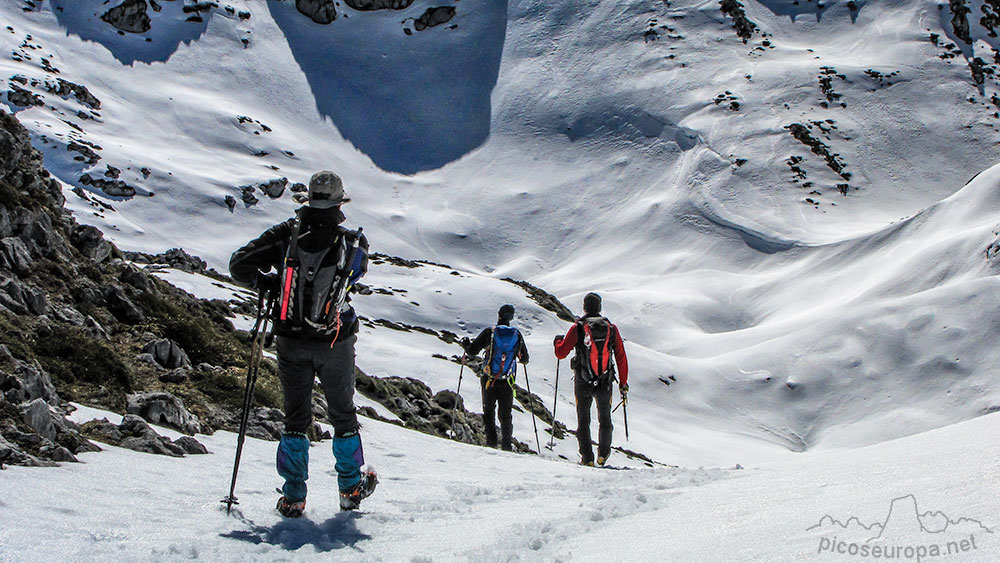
(320, 229)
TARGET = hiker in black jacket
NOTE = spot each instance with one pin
(316, 331)
(504, 344)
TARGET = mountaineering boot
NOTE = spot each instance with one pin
(587, 463)
(290, 509)
(351, 498)
(601, 460)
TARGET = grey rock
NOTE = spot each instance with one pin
(58, 453)
(6, 225)
(22, 298)
(114, 188)
(94, 329)
(248, 197)
(320, 11)
(122, 307)
(36, 383)
(14, 255)
(433, 17)
(274, 188)
(68, 314)
(163, 408)
(11, 151)
(190, 445)
(298, 187)
(90, 242)
(136, 277)
(167, 353)
(266, 424)
(37, 415)
(230, 202)
(23, 98)
(129, 16)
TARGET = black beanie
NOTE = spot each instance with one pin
(506, 313)
(592, 304)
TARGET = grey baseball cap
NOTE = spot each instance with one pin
(326, 190)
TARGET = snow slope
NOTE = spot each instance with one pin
(565, 144)
(446, 501)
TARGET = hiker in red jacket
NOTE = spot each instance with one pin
(594, 339)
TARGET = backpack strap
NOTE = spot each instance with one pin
(289, 267)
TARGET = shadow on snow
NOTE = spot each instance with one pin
(410, 102)
(336, 533)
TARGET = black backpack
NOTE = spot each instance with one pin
(594, 347)
(313, 284)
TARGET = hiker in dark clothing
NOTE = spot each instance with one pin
(504, 346)
(594, 339)
(316, 330)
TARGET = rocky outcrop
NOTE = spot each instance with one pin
(320, 11)
(368, 5)
(547, 301)
(135, 434)
(434, 17)
(129, 16)
(113, 188)
(833, 161)
(960, 20)
(743, 26)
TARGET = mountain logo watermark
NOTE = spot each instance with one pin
(905, 534)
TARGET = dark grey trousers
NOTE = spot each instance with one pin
(499, 394)
(300, 361)
(587, 394)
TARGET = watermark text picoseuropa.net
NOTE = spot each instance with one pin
(903, 552)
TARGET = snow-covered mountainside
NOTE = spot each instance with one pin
(773, 197)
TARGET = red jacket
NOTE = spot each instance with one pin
(568, 343)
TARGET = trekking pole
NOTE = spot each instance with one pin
(625, 412)
(531, 398)
(555, 403)
(458, 396)
(260, 329)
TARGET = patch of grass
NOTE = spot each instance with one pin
(196, 329)
(70, 356)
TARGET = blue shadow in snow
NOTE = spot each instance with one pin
(338, 532)
(410, 102)
(794, 9)
(168, 29)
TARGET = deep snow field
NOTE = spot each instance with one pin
(840, 348)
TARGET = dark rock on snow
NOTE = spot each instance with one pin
(129, 16)
(320, 11)
(367, 5)
(163, 408)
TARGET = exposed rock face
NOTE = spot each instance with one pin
(319, 11)
(129, 16)
(743, 26)
(167, 353)
(433, 17)
(367, 5)
(63, 290)
(65, 88)
(960, 20)
(164, 409)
